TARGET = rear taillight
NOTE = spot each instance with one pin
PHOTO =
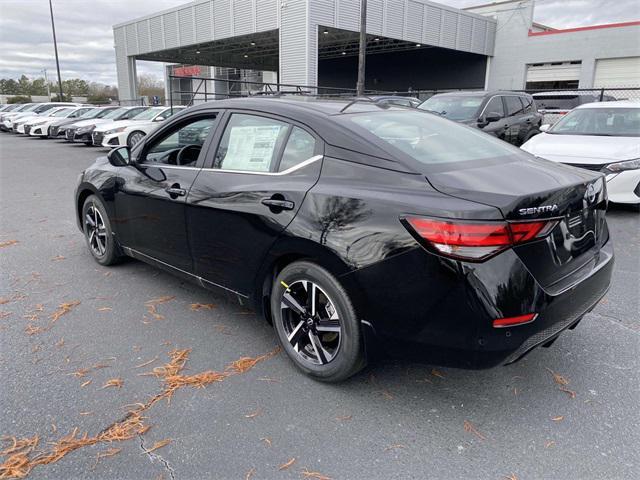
(474, 240)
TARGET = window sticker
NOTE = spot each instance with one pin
(251, 148)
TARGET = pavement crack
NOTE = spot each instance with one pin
(154, 457)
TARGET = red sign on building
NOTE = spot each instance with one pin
(191, 71)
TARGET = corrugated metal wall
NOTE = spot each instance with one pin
(418, 21)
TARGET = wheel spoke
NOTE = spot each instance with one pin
(328, 325)
(295, 336)
(89, 220)
(313, 294)
(321, 353)
(289, 302)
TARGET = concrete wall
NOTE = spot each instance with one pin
(515, 48)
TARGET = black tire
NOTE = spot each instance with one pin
(134, 137)
(342, 360)
(101, 243)
(530, 135)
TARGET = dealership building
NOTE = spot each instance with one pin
(411, 45)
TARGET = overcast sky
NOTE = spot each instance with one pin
(85, 37)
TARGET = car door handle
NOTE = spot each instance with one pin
(175, 191)
(278, 204)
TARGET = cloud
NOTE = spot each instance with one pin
(85, 35)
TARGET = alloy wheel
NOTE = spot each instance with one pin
(135, 138)
(311, 322)
(95, 230)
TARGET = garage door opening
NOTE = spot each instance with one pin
(395, 65)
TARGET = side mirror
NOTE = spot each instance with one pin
(158, 119)
(545, 127)
(492, 117)
(119, 157)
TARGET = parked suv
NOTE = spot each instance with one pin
(553, 105)
(510, 116)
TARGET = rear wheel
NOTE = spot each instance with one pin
(134, 137)
(98, 233)
(316, 322)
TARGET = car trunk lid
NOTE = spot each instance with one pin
(534, 189)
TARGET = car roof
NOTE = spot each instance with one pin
(566, 93)
(613, 104)
(484, 93)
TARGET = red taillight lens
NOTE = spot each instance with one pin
(475, 240)
(513, 321)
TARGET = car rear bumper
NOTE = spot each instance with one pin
(441, 312)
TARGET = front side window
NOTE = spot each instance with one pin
(514, 105)
(181, 145)
(609, 122)
(430, 139)
(494, 106)
(251, 143)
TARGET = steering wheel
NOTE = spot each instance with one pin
(183, 155)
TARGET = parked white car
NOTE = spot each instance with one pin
(130, 132)
(5, 118)
(80, 131)
(19, 123)
(38, 109)
(39, 126)
(603, 137)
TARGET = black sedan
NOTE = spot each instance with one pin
(354, 225)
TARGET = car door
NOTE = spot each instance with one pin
(498, 128)
(151, 195)
(256, 177)
(514, 117)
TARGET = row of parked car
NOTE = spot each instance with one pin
(601, 136)
(103, 126)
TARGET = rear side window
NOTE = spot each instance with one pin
(300, 147)
(431, 139)
(251, 143)
(528, 104)
(514, 106)
(494, 106)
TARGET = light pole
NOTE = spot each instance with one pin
(363, 48)
(55, 47)
(46, 80)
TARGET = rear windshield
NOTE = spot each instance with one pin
(430, 139)
(454, 107)
(560, 102)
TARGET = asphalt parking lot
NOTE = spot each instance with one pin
(266, 420)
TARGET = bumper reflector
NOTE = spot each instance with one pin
(514, 321)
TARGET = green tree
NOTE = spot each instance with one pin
(38, 87)
(8, 86)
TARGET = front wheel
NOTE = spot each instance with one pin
(98, 233)
(134, 138)
(316, 323)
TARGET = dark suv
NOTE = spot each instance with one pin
(510, 116)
